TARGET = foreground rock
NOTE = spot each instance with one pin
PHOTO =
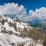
(44, 42)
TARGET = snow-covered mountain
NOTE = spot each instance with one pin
(16, 33)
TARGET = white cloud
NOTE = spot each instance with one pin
(39, 13)
(20, 12)
(11, 8)
(14, 9)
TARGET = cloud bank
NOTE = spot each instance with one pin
(21, 13)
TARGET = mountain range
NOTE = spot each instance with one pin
(14, 32)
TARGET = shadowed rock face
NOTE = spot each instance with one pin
(44, 42)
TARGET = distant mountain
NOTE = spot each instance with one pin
(42, 27)
(35, 22)
(39, 24)
(14, 32)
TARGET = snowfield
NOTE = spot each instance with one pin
(7, 40)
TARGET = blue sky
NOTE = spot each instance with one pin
(26, 10)
(28, 4)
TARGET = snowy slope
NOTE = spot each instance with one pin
(14, 33)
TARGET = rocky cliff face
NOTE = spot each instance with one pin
(44, 42)
(17, 33)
